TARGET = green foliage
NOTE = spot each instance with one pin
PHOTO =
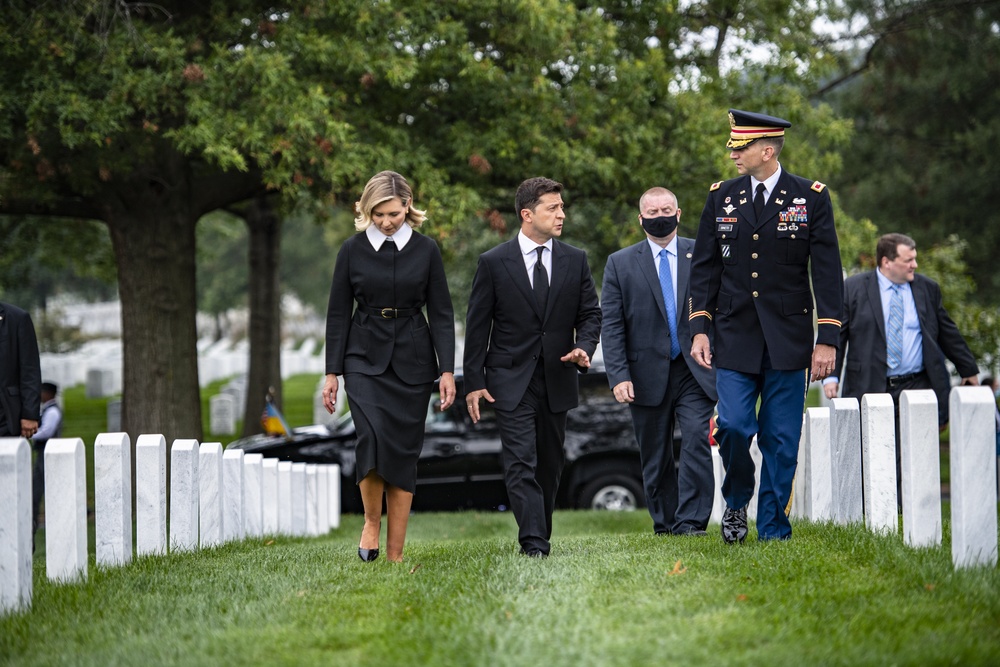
(946, 263)
(927, 113)
(44, 258)
(222, 263)
(611, 593)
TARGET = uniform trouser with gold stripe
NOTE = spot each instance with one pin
(777, 427)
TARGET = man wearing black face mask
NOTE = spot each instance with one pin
(647, 349)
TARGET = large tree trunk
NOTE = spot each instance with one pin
(265, 310)
(153, 232)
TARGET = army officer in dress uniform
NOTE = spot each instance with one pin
(757, 236)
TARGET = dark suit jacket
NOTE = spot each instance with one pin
(864, 333)
(505, 332)
(635, 335)
(750, 278)
(367, 343)
(20, 370)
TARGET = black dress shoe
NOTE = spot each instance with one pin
(367, 555)
(534, 553)
(694, 532)
(734, 525)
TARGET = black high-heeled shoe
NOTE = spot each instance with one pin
(368, 555)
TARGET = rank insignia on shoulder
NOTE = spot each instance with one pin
(818, 187)
(715, 186)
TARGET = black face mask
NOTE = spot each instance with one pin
(661, 226)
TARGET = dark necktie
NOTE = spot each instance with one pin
(758, 201)
(541, 280)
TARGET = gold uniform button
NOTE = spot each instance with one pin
(755, 294)
(723, 236)
(793, 236)
(753, 275)
(756, 237)
(754, 255)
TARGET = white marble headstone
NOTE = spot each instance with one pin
(719, 472)
(299, 526)
(15, 525)
(818, 461)
(920, 464)
(800, 483)
(233, 494)
(150, 495)
(99, 383)
(113, 499)
(312, 499)
(285, 497)
(114, 415)
(335, 491)
(323, 501)
(65, 510)
(184, 487)
(758, 460)
(253, 494)
(210, 488)
(222, 414)
(973, 485)
(878, 442)
(845, 440)
(269, 469)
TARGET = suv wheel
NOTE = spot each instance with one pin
(613, 492)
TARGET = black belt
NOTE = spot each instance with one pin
(389, 313)
(897, 380)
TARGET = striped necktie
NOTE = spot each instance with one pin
(894, 329)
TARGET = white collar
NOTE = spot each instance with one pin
(770, 182)
(671, 247)
(528, 246)
(400, 238)
(885, 284)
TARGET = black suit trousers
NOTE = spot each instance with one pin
(679, 496)
(531, 437)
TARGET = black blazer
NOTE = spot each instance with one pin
(20, 369)
(505, 332)
(635, 336)
(750, 278)
(368, 343)
(864, 332)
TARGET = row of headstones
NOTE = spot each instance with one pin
(847, 469)
(216, 496)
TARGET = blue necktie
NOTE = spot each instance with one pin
(894, 330)
(667, 285)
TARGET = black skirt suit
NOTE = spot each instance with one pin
(389, 358)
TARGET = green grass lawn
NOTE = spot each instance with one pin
(611, 594)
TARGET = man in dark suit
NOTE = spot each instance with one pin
(923, 333)
(760, 236)
(533, 323)
(20, 374)
(647, 357)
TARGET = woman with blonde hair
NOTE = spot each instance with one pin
(389, 354)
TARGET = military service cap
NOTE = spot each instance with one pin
(747, 127)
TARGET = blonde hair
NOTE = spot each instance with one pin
(382, 187)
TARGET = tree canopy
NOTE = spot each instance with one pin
(148, 116)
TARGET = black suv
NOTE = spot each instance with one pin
(460, 465)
